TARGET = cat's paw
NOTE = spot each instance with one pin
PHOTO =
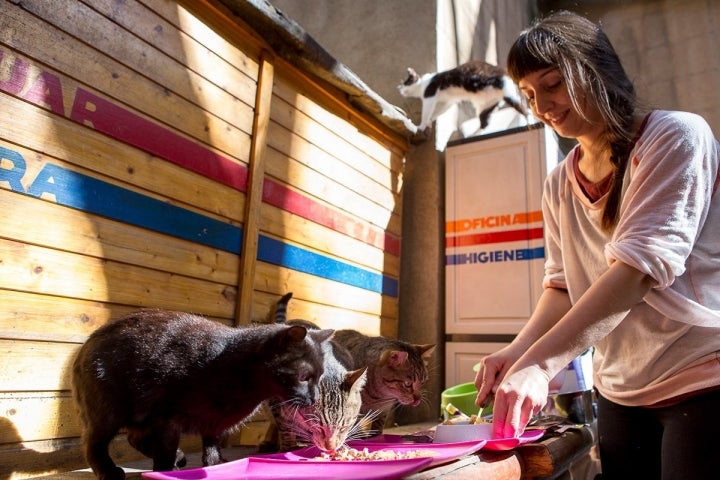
(180, 459)
(421, 135)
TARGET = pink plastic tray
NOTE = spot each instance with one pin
(388, 440)
(256, 468)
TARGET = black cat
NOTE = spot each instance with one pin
(161, 374)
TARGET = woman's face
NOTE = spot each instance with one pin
(549, 101)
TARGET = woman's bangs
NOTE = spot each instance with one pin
(531, 52)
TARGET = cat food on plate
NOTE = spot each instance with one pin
(364, 455)
(471, 420)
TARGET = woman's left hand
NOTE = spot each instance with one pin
(522, 394)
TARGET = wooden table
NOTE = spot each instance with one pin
(549, 458)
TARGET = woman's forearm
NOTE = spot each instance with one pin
(594, 316)
(553, 304)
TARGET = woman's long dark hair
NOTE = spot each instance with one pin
(593, 73)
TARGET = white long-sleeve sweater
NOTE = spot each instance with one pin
(669, 228)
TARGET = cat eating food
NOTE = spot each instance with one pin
(334, 417)
(396, 374)
(480, 83)
(161, 374)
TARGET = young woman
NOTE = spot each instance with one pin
(632, 219)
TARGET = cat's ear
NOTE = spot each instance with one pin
(425, 351)
(356, 378)
(322, 335)
(296, 333)
(393, 358)
(412, 76)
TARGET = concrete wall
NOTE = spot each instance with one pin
(668, 47)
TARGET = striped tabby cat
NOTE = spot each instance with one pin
(334, 417)
(396, 375)
(397, 372)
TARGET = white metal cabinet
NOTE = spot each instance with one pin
(494, 248)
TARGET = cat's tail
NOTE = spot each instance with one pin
(278, 314)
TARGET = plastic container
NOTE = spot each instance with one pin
(462, 396)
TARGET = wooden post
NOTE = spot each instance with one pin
(253, 201)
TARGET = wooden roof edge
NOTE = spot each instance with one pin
(291, 42)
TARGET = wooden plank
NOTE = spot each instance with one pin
(370, 155)
(30, 365)
(92, 28)
(315, 156)
(297, 229)
(213, 25)
(556, 452)
(34, 416)
(91, 194)
(325, 316)
(278, 281)
(249, 253)
(326, 131)
(335, 100)
(294, 202)
(324, 265)
(32, 459)
(501, 466)
(22, 31)
(229, 69)
(35, 269)
(76, 145)
(326, 191)
(88, 234)
(28, 316)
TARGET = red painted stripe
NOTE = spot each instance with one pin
(111, 119)
(119, 123)
(494, 237)
(287, 199)
(124, 125)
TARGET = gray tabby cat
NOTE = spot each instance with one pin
(482, 84)
(397, 372)
(334, 417)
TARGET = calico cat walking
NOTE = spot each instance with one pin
(482, 84)
(335, 417)
(161, 374)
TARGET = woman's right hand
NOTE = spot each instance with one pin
(491, 372)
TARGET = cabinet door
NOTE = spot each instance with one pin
(461, 357)
(494, 231)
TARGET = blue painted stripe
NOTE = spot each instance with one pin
(92, 195)
(495, 256)
(276, 252)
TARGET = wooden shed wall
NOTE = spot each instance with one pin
(158, 154)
